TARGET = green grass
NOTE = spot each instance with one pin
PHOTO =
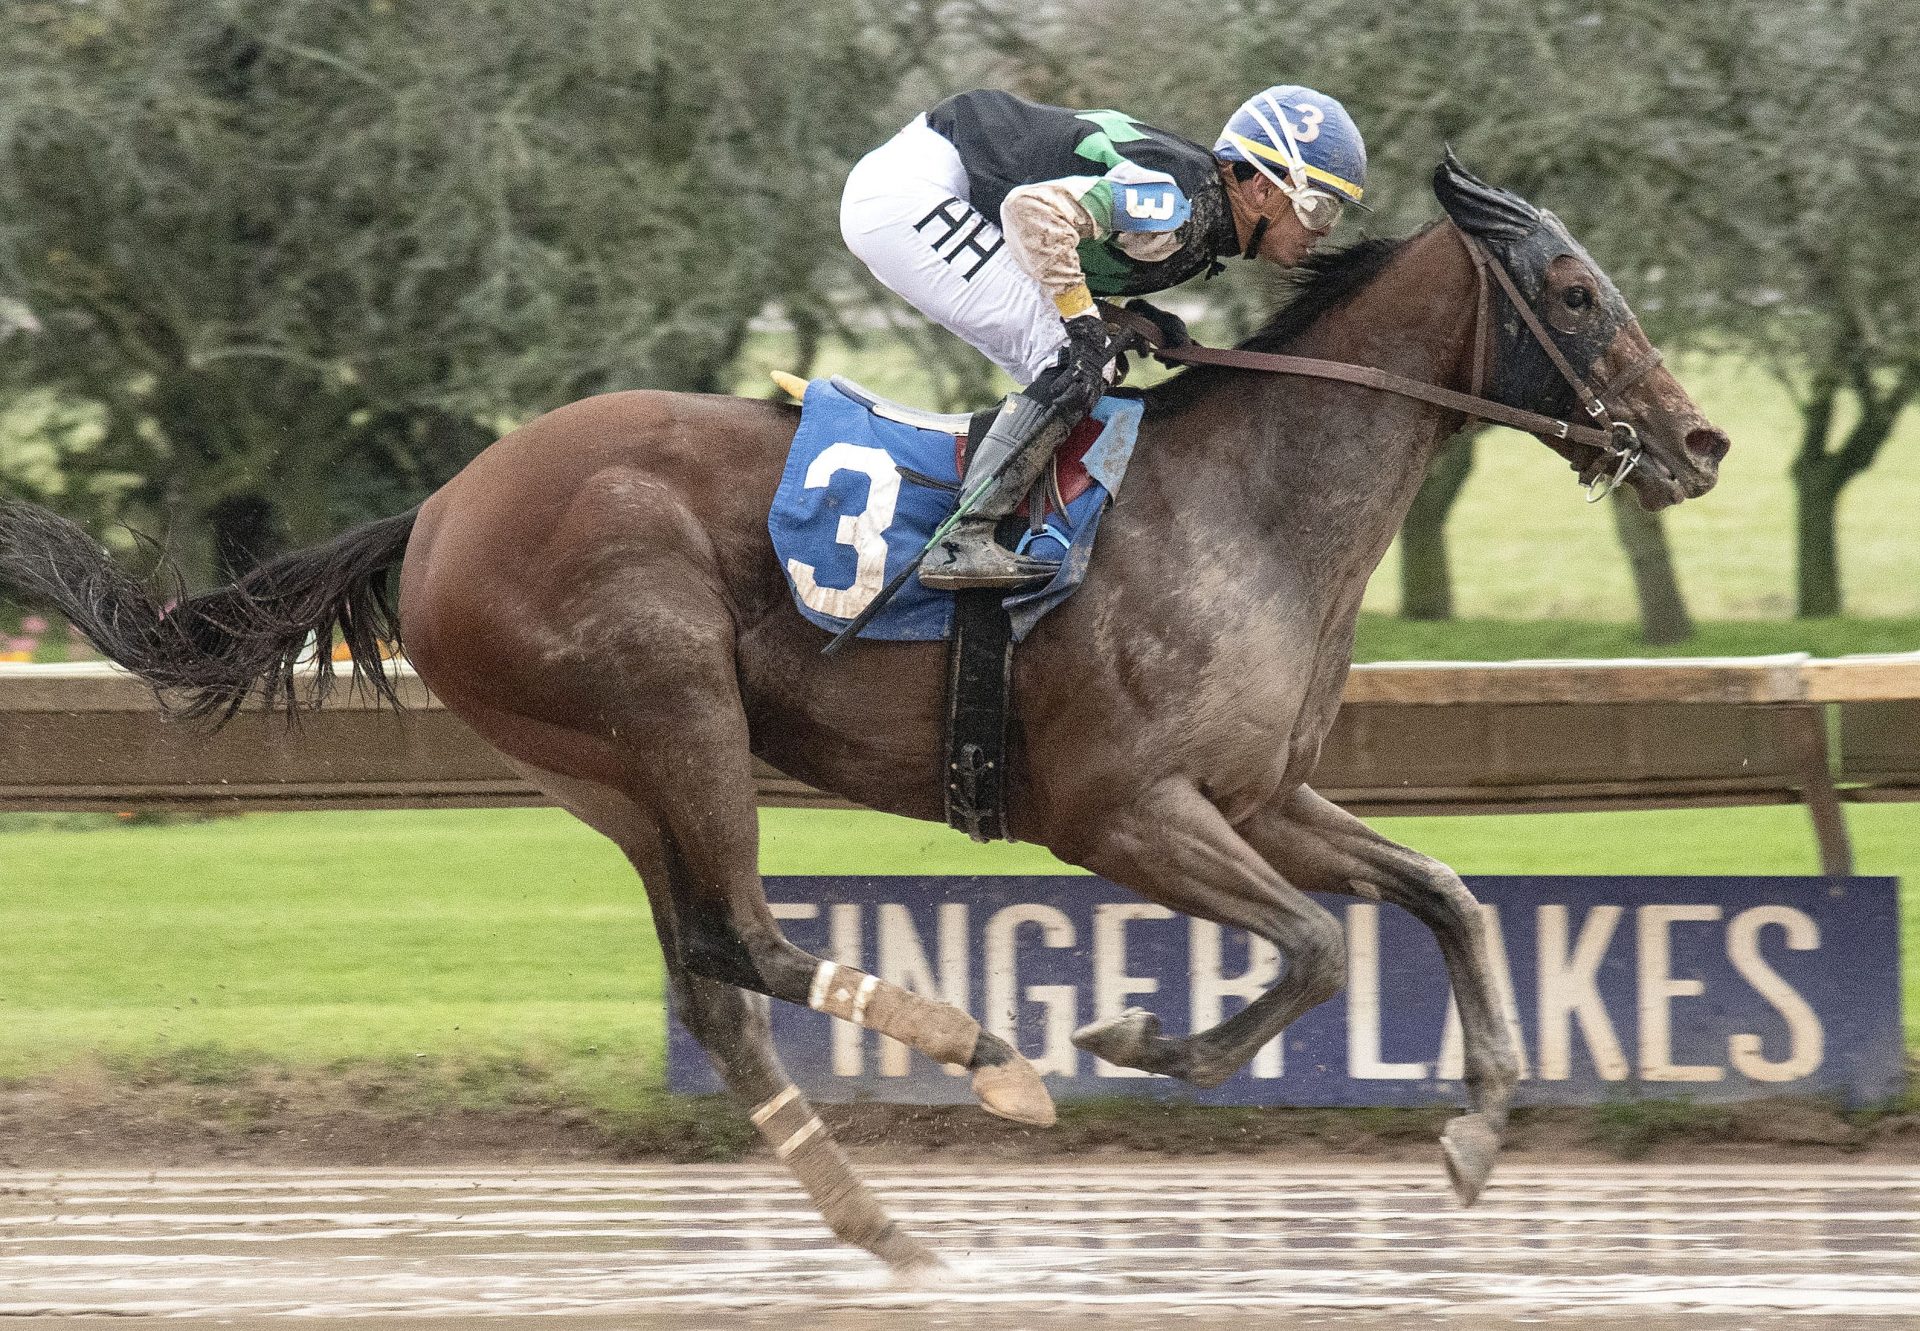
(1524, 545)
(488, 939)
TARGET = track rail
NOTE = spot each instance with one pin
(1428, 737)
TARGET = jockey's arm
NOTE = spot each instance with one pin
(1045, 222)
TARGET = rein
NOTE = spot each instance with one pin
(1616, 439)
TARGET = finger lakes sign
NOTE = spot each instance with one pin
(1709, 988)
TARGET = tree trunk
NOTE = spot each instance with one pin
(1663, 610)
(1426, 577)
(1820, 472)
(1816, 501)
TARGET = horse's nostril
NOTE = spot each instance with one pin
(1708, 443)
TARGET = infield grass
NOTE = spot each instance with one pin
(493, 944)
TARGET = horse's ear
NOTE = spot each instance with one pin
(1481, 209)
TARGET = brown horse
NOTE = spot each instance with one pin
(597, 596)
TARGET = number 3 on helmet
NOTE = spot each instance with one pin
(1306, 143)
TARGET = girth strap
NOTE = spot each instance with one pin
(979, 673)
(979, 670)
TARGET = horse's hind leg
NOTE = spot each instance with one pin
(1324, 848)
(731, 1025)
(659, 689)
(696, 776)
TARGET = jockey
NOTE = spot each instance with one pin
(1001, 219)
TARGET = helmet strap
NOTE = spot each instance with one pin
(1254, 237)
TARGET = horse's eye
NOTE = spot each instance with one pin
(1577, 298)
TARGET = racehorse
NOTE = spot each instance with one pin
(597, 596)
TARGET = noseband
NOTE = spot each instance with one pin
(1616, 439)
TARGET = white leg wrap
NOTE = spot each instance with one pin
(822, 981)
(862, 997)
(939, 1030)
(799, 1138)
(773, 1106)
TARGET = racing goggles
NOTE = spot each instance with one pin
(1318, 211)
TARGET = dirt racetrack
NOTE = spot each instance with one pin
(1236, 1242)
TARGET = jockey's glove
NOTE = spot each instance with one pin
(1078, 376)
(1173, 329)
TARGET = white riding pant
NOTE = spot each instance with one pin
(905, 213)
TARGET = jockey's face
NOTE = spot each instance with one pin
(1285, 240)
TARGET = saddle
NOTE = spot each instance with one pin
(859, 458)
(980, 648)
(1064, 481)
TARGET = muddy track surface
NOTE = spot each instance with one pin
(1197, 1244)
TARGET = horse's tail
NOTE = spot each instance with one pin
(214, 648)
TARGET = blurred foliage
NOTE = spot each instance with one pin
(295, 261)
(305, 258)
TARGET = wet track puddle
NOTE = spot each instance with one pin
(1192, 1244)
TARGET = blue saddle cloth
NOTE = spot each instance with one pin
(846, 519)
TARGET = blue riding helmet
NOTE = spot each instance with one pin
(1301, 140)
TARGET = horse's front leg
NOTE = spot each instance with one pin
(1172, 846)
(1324, 848)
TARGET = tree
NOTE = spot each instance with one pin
(305, 258)
(1664, 620)
(1793, 199)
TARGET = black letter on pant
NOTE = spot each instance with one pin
(957, 215)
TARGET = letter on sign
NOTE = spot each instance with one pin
(1569, 986)
(1658, 989)
(1806, 1041)
(1363, 1002)
(903, 961)
(1209, 987)
(1061, 1001)
(1112, 986)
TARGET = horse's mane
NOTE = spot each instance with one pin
(1319, 283)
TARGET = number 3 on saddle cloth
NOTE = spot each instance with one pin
(855, 503)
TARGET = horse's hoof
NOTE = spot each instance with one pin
(1014, 1090)
(916, 1267)
(1126, 1041)
(1469, 1145)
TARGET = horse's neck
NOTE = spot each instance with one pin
(1339, 469)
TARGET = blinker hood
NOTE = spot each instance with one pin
(1527, 240)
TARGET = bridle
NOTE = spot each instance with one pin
(1616, 439)
(1622, 442)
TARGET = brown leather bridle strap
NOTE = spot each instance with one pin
(1593, 399)
(1633, 374)
(1367, 376)
(1611, 437)
(1482, 329)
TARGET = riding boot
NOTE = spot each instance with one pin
(1008, 461)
